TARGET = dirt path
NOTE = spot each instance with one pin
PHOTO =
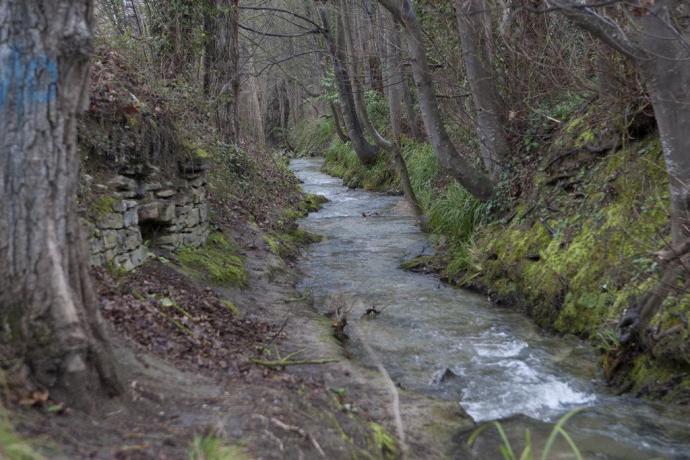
(176, 393)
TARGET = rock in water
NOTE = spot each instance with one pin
(443, 375)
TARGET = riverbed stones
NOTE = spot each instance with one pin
(172, 213)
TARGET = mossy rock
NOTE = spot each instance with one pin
(102, 205)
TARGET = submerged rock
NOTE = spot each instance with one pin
(443, 375)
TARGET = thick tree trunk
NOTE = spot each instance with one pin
(48, 307)
(366, 152)
(667, 78)
(490, 120)
(474, 181)
(221, 65)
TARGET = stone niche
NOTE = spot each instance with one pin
(140, 213)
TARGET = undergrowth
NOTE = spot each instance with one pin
(12, 446)
(574, 253)
(528, 453)
(218, 261)
(214, 448)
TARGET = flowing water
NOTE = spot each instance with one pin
(503, 367)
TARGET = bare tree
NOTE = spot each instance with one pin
(366, 152)
(221, 64)
(48, 306)
(474, 180)
(473, 22)
(345, 24)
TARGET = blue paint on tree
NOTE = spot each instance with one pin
(26, 79)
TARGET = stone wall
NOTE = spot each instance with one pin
(137, 213)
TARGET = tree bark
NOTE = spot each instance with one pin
(48, 307)
(472, 17)
(338, 124)
(221, 65)
(667, 79)
(475, 181)
(345, 35)
(366, 152)
(408, 99)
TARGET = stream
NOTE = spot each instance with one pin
(504, 367)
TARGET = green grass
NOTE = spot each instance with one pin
(342, 161)
(213, 448)
(451, 210)
(528, 452)
(218, 261)
(312, 136)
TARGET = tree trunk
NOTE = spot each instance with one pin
(472, 16)
(338, 125)
(475, 181)
(408, 99)
(48, 306)
(366, 152)
(667, 78)
(221, 65)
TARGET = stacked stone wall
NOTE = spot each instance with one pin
(138, 214)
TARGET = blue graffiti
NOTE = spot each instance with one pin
(26, 80)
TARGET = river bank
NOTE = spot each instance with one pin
(455, 346)
(573, 251)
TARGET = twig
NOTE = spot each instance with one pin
(270, 342)
(293, 429)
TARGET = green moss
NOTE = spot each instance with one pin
(341, 161)
(287, 244)
(12, 446)
(310, 203)
(384, 442)
(201, 153)
(232, 308)
(416, 263)
(214, 448)
(103, 205)
(273, 243)
(218, 261)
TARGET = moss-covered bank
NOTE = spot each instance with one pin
(573, 250)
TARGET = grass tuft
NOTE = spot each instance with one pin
(213, 448)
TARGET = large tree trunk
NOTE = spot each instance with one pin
(667, 78)
(366, 152)
(472, 16)
(48, 307)
(221, 65)
(474, 181)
